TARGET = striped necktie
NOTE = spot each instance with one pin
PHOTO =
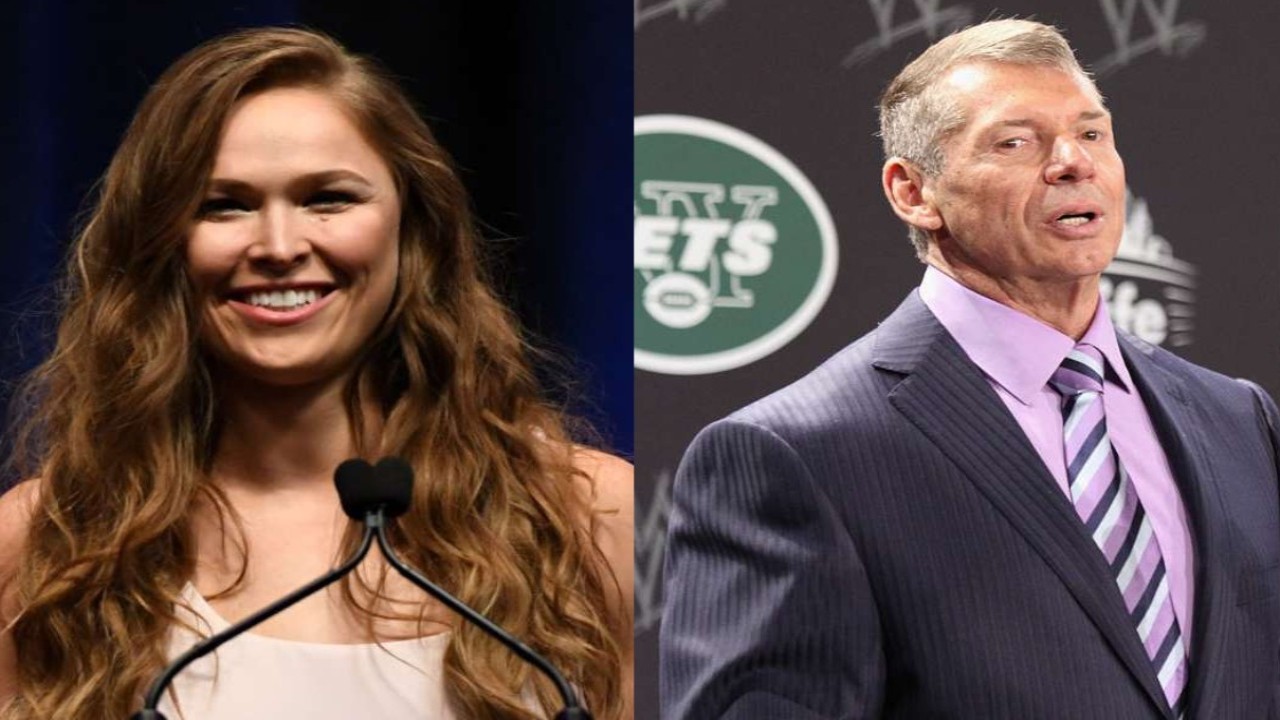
(1108, 504)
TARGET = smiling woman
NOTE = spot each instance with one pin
(295, 249)
(281, 273)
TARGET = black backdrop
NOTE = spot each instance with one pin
(1192, 85)
(532, 99)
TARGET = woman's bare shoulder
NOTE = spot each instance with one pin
(612, 478)
(17, 505)
(16, 508)
(612, 482)
(613, 510)
(613, 503)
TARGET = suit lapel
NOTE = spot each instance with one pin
(1174, 416)
(947, 397)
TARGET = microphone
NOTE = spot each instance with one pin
(393, 487)
(363, 488)
(372, 495)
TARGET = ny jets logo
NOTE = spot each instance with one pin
(720, 250)
(932, 20)
(735, 252)
(1167, 35)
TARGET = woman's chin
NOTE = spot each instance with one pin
(284, 372)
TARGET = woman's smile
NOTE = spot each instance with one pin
(283, 305)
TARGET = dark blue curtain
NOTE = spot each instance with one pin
(533, 100)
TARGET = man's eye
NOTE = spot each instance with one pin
(1094, 135)
(330, 200)
(220, 207)
(1011, 143)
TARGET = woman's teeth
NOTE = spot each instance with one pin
(284, 299)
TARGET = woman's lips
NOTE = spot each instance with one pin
(280, 318)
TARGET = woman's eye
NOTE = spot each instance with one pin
(220, 207)
(330, 200)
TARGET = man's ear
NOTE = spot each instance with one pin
(907, 190)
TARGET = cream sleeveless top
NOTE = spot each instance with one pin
(258, 676)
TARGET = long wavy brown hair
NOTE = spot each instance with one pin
(124, 417)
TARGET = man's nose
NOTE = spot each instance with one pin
(1070, 162)
(281, 243)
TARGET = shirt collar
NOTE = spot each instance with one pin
(1015, 350)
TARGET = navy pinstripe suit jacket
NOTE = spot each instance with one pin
(880, 539)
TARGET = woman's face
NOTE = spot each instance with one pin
(294, 252)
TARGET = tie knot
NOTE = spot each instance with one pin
(1080, 371)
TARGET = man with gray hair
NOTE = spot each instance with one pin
(994, 505)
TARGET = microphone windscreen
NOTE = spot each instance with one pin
(355, 481)
(394, 478)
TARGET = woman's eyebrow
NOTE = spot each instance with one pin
(308, 180)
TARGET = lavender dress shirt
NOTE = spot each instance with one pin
(1018, 354)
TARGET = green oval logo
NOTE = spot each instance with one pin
(735, 252)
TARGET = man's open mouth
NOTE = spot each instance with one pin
(1073, 219)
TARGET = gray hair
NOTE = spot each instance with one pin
(916, 118)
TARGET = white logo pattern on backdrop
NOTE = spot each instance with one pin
(699, 10)
(1148, 291)
(934, 21)
(1168, 36)
(651, 544)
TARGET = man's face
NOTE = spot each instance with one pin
(1032, 190)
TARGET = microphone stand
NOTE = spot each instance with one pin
(571, 710)
(374, 496)
(208, 645)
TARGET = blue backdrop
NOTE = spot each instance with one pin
(533, 99)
